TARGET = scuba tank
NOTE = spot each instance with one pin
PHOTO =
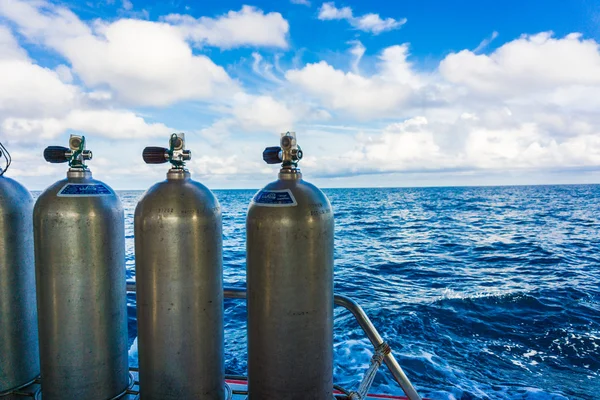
(79, 238)
(289, 255)
(19, 351)
(179, 283)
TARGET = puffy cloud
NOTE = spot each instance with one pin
(261, 113)
(40, 103)
(146, 63)
(404, 146)
(143, 62)
(251, 113)
(9, 48)
(528, 105)
(535, 72)
(214, 165)
(329, 11)
(111, 124)
(417, 145)
(28, 90)
(247, 27)
(368, 23)
(528, 145)
(529, 64)
(366, 97)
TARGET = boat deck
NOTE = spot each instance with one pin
(238, 387)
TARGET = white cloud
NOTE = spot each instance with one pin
(529, 105)
(365, 97)
(28, 90)
(40, 103)
(485, 42)
(247, 27)
(329, 11)
(261, 113)
(265, 69)
(9, 48)
(529, 64)
(215, 165)
(368, 22)
(358, 51)
(143, 62)
(146, 63)
(301, 2)
(404, 146)
(111, 124)
(251, 113)
(532, 70)
(417, 145)
(64, 73)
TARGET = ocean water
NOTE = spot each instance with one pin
(482, 292)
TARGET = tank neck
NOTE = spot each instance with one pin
(79, 173)
(176, 174)
(290, 174)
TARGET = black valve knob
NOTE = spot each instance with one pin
(271, 155)
(56, 154)
(155, 155)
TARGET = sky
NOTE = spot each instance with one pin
(380, 93)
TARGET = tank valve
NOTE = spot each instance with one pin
(176, 154)
(75, 154)
(288, 153)
(7, 159)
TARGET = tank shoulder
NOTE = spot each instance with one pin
(180, 194)
(13, 193)
(53, 189)
(9, 186)
(303, 191)
(95, 193)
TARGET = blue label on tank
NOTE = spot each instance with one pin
(275, 198)
(84, 189)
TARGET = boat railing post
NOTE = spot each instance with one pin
(377, 341)
(363, 321)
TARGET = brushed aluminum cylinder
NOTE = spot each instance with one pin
(290, 292)
(80, 274)
(179, 285)
(19, 351)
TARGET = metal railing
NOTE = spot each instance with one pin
(363, 321)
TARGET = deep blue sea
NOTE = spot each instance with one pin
(482, 292)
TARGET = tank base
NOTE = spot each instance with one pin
(236, 388)
(33, 390)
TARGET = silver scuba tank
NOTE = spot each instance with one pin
(19, 351)
(289, 249)
(179, 284)
(80, 277)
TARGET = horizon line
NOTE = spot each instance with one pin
(388, 187)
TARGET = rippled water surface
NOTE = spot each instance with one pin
(490, 292)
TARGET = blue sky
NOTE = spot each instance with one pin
(380, 93)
